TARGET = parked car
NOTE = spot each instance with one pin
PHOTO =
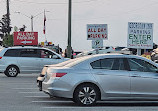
(119, 48)
(76, 53)
(89, 79)
(105, 50)
(15, 60)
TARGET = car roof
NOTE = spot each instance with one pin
(116, 55)
(111, 55)
(25, 47)
(21, 47)
(92, 58)
(31, 47)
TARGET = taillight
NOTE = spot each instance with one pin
(0, 57)
(58, 74)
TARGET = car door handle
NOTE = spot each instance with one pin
(135, 75)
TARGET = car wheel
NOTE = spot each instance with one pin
(11, 71)
(86, 94)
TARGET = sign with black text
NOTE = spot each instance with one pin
(140, 35)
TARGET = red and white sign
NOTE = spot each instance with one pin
(25, 38)
(97, 32)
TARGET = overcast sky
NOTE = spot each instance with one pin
(115, 13)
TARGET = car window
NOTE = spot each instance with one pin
(29, 53)
(118, 48)
(118, 64)
(96, 64)
(141, 65)
(12, 53)
(89, 53)
(109, 63)
(48, 54)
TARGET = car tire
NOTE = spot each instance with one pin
(11, 71)
(86, 95)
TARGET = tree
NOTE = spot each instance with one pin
(5, 27)
(8, 41)
(5, 30)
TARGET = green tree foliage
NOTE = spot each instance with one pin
(5, 28)
(8, 40)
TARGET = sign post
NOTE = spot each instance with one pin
(140, 36)
(25, 38)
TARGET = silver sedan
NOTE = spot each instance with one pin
(89, 79)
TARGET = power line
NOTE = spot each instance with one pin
(50, 3)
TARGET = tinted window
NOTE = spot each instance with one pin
(90, 53)
(141, 65)
(29, 53)
(12, 53)
(118, 64)
(118, 48)
(96, 64)
(109, 63)
(107, 47)
(48, 54)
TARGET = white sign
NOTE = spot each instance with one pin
(25, 42)
(97, 44)
(97, 31)
(140, 35)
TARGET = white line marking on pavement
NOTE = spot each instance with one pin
(25, 88)
(51, 101)
(72, 107)
(20, 83)
(36, 96)
(30, 92)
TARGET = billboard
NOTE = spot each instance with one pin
(140, 35)
(97, 31)
(25, 38)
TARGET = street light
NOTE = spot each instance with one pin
(31, 18)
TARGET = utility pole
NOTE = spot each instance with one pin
(69, 48)
(8, 17)
(32, 23)
(32, 17)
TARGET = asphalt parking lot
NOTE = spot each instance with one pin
(22, 94)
